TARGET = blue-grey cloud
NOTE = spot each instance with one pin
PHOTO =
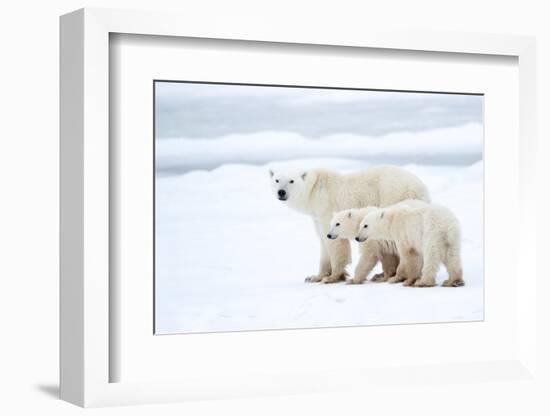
(213, 110)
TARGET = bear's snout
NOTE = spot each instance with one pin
(359, 239)
(282, 194)
(331, 236)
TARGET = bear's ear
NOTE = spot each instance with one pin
(271, 173)
(304, 176)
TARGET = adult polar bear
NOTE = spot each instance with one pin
(320, 193)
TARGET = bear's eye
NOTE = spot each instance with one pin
(277, 180)
(365, 226)
(338, 224)
(292, 181)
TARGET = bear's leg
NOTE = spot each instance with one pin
(324, 262)
(390, 262)
(431, 260)
(367, 261)
(410, 281)
(414, 267)
(378, 277)
(454, 268)
(340, 256)
(401, 273)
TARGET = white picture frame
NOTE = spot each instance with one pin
(85, 222)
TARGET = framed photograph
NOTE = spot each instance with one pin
(314, 205)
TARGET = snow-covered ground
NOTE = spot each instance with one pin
(230, 256)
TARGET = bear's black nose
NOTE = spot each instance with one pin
(329, 235)
(281, 193)
(357, 239)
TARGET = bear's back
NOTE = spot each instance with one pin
(387, 185)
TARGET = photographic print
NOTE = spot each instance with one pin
(286, 207)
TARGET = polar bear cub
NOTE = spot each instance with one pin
(430, 231)
(345, 224)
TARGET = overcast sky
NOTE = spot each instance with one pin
(210, 110)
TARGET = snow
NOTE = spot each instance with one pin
(231, 257)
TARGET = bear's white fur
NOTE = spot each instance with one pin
(430, 231)
(320, 193)
(345, 224)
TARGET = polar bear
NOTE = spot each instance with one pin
(430, 231)
(320, 193)
(345, 224)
